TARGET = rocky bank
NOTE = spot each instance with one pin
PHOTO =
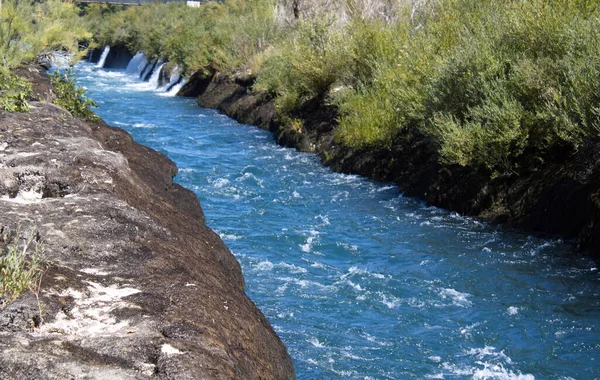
(137, 285)
(563, 199)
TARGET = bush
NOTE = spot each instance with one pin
(21, 262)
(13, 92)
(29, 29)
(500, 86)
(71, 97)
(215, 36)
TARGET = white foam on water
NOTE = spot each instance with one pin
(188, 170)
(435, 376)
(292, 268)
(390, 301)
(497, 371)
(373, 339)
(309, 242)
(356, 287)
(175, 75)
(153, 82)
(220, 182)
(458, 298)
(323, 219)
(342, 195)
(316, 343)
(304, 283)
(175, 89)
(466, 331)
(103, 56)
(265, 265)
(353, 248)
(512, 310)
(230, 237)
(143, 125)
(363, 272)
(488, 351)
(109, 74)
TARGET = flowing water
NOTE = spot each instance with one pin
(359, 281)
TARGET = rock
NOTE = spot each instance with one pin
(118, 57)
(137, 285)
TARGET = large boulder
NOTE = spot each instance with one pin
(136, 286)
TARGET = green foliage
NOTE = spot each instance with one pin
(71, 97)
(21, 262)
(13, 92)
(216, 36)
(303, 67)
(29, 29)
(500, 86)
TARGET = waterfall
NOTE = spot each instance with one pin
(148, 66)
(137, 63)
(103, 57)
(174, 89)
(154, 78)
(173, 80)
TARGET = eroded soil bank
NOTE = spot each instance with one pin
(562, 199)
(137, 286)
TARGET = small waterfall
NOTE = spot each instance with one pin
(103, 57)
(148, 66)
(173, 80)
(154, 78)
(173, 90)
(137, 64)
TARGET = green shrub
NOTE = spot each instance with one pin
(305, 66)
(29, 29)
(14, 92)
(21, 262)
(71, 97)
(500, 86)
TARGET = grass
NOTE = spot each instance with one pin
(21, 262)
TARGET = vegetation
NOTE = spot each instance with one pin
(13, 93)
(30, 30)
(502, 86)
(71, 97)
(21, 262)
(215, 37)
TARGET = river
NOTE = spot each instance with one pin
(359, 281)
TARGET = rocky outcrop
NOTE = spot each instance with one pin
(136, 286)
(562, 199)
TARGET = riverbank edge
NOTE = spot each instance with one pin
(159, 224)
(562, 200)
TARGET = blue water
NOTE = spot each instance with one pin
(359, 281)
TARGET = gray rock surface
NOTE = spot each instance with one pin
(137, 286)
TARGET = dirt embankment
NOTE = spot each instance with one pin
(562, 199)
(137, 285)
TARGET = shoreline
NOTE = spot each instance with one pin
(563, 200)
(136, 281)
